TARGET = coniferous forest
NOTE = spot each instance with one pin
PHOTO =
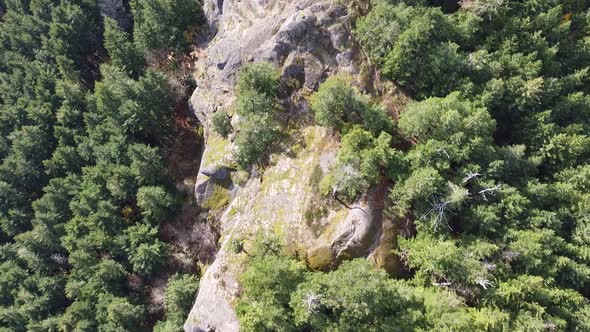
(486, 164)
(85, 125)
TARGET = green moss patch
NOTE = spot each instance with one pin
(218, 200)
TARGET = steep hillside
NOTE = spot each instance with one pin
(448, 142)
(306, 41)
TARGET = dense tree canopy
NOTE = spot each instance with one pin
(487, 167)
(81, 186)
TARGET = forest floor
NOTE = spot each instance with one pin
(191, 237)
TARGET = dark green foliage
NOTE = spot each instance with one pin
(256, 135)
(122, 51)
(155, 203)
(365, 154)
(268, 283)
(146, 252)
(221, 123)
(253, 102)
(71, 31)
(491, 183)
(492, 180)
(415, 46)
(280, 294)
(362, 161)
(117, 314)
(256, 103)
(180, 294)
(338, 301)
(163, 23)
(82, 185)
(258, 77)
(337, 104)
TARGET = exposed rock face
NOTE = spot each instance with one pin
(307, 40)
(355, 236)
(311, 34)
(215, 174)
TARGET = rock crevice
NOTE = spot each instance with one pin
(306, 40)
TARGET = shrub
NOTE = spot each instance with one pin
(162, 23)
(335, 103)
(155, 202)
(180, 294)
(256, 88)
(362, 161)
(258, 77)
(221, 123)
(268, 282)
(252, 102)
(257, 133)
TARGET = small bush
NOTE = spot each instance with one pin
(252, 102)
(256, 88)
(254, 138)
(335, 103)
(180, 294)
(338, 105)
(362, 162)
(221, 123)
(258, 77)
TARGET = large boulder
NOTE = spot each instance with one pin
(208, 179)
(355, 236)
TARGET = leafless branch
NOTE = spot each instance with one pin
(438, 213)
(312, 302)
(470, 175)
(483, 282)
(441, 150)
(489, 191)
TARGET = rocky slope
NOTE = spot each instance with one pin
(306, 40)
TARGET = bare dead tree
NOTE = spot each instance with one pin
(312, 302)
(489, 191)
(470, 175)
(442, 284)
(483, 7)
(441, 151)
(437, 213)
(483, 282)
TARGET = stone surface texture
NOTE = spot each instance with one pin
(306, 41)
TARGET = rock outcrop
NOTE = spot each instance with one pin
(355, 236)
(306, 40)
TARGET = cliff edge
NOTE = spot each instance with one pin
(306, 41)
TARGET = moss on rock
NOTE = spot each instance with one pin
(218, 199)
(320, 258)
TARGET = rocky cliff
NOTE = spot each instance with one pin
(306, 40)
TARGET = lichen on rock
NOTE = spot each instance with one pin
(306, 41)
